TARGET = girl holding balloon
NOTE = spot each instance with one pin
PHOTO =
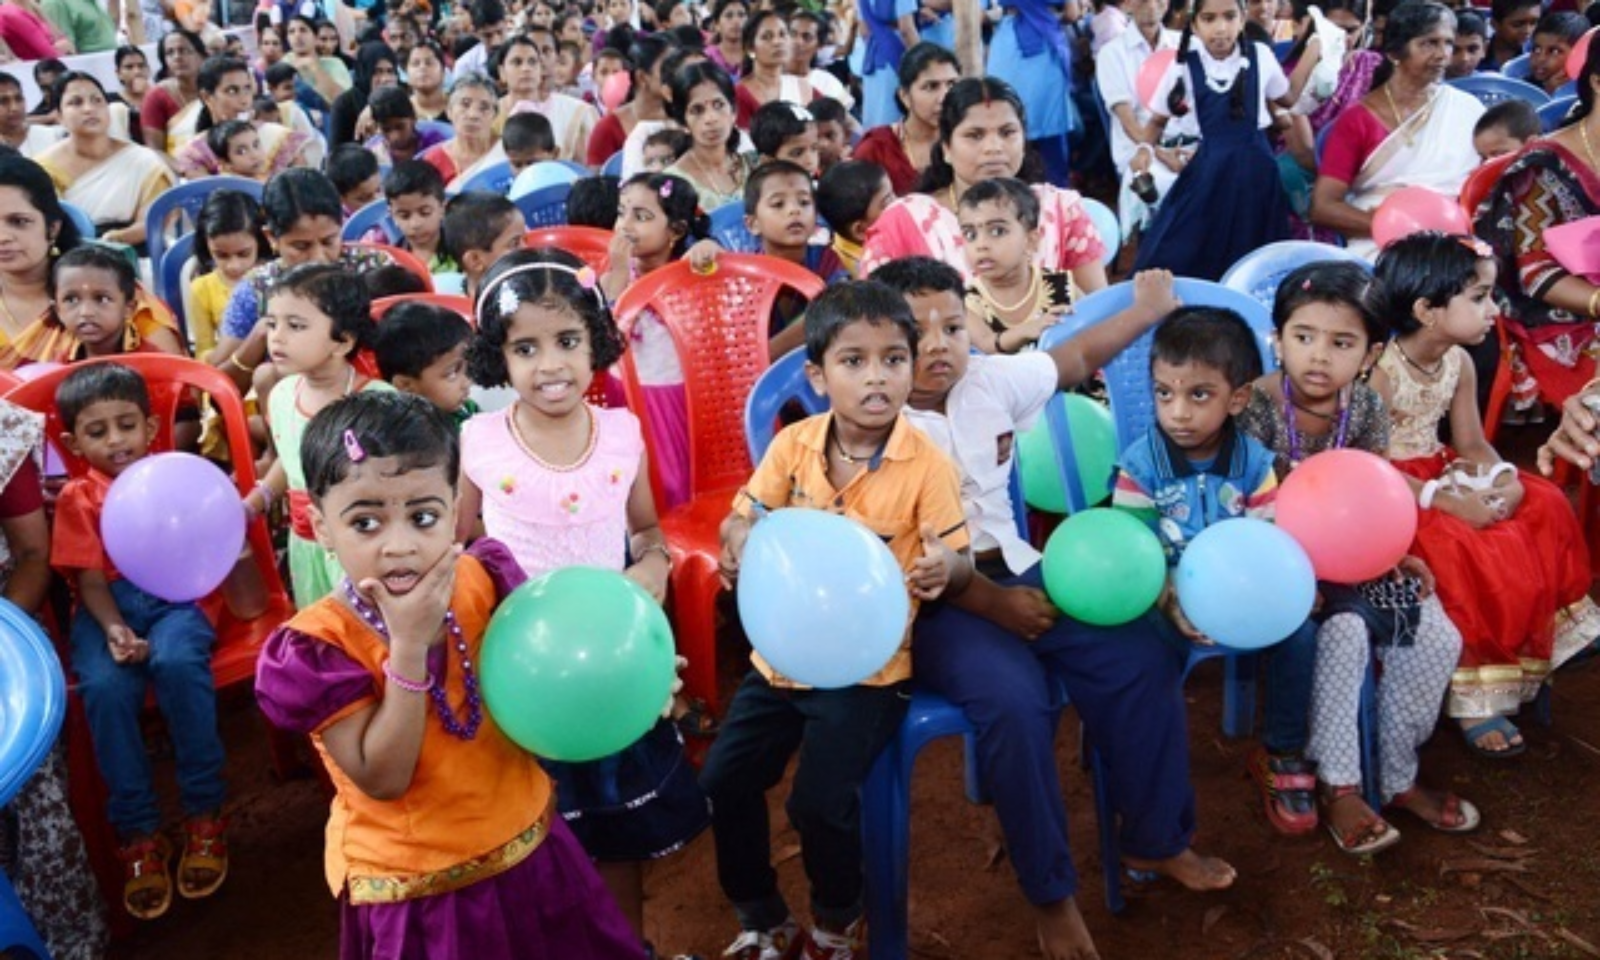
(442, 839)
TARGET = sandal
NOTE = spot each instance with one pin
(147, 883)
(1455, 814)
(1288, 788)
(1495, 724)
(205, 853)
(697, 720)
(1370, 835)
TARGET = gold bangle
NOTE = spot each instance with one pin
(656, 548)
(233, 358)
(1594, 302)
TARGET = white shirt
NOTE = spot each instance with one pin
(1220, 75)
(986, 409)
(39, 136)
(1116, 70)
(473, 61)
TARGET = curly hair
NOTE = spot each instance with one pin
(558, 286)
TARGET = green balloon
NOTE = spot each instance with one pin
(577, 664)
(1104, 567)
(1094, 445)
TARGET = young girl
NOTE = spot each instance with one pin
(96, 310)
(562, 483)
(1506, 548)
(1206, 222)
(1011, 301)
(658, 219)
(440, 840)
(316, 320)
(228, 243)
(1329, 337)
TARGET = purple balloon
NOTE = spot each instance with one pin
(174, 526)
(34, 371)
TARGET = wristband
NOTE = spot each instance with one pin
(233, 358)
(660, 548)
(1425, 499)
(409, 686)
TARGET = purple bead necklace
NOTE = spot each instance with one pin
(463, 730)
(1294, 432)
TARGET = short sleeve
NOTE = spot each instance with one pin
(1111, 76)
(1024, 383)
(1078, 242)
(893, 236)
(769, 485)
(1273, 82)
(157, 109)
(24, 494)
(239, 317)
(498, 562)
(303, 683)
(1262, 502)
(940, 505)
(75, 537)
(1349, 144)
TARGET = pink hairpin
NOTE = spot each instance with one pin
(585, 277)
(666, 189)
(1306, 284)
(352, 447)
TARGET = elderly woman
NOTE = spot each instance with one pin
(474, 147)
(226, 92)
(1411, 131)
(905, 148)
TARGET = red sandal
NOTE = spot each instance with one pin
(146, 880)
(1288, 791)
(1369, 835)
(205, 850)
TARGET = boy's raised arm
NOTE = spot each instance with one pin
(1078, 358)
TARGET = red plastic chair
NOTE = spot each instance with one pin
(239, 642)
(454, 302)
(720, 324)
(402, 258)
(1480, 181)
(589, 244)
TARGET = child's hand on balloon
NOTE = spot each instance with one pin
(415, 617)
(930, 573)
(735, 531)
(1168, 604)
(1414, 567)
(126, 646)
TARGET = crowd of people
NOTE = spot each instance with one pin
(925, 164)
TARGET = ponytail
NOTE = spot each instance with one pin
(1236, 98)
(1178, 98)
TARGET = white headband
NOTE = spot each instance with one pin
(508, 301)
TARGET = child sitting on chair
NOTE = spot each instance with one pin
(851, 197)
(780, 209)
(785, 131)
(354, 173)
(97, 310)
(237, 146)
(480, 228)
(422, 349)
(415, 192)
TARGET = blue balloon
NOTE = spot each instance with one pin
(33, 699)
(1245, 584)
(821, 597)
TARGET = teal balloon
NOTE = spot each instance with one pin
(1094, 446)
(577, 664)
(1104, 567)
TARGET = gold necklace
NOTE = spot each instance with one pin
(711, 180)
(583, 458)
(1030, 296)
(1399, 121)
(1588, 151)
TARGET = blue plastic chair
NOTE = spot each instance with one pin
(728, 229)
(780, 383)
(169, 280)
(546, 207)
(1107, 225)
(1553, 115)
(185, 200)
(1491, 89)
(1518, 68)
(374, 214)
(437, 126)
(495, 178)
(1259, 272)
(613, 165)
(577, 168)
(86, 228)
(1568, 89)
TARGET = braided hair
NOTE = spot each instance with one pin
(1178, 99)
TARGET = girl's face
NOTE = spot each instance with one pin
(231, 100)
(235, 254)
(542, 16)
(519, 71)
(385, 74)
(680, 16)
(182, 60)
(270, 46)
(386, 525)
(25, 237)
(926, 95)
(472, 109)
(730, 25)
(311, 240)
(90, 303)
(1218, 24)
(134, 75)
(244, 154)
(1426, 58)
(1323, 347)
(1469, 316)
(620, 11)
(548, 358)
(424, 70)
(604, 68)
(709, 116)
(998, 245)
(571, 31)
(988, 142)
(83, 109)
(327, 41)
(300, 336)
(644, 224)
(301, 40)
(771, 48)
(1263, 12)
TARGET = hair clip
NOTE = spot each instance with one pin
(801, 113)
(508, 301)
(1477, 246)
(666, 188)
(1306, 285)
(586, 277)
(352, 447)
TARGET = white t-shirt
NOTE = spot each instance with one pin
(1220, 75)
(1116, 70)
(39, 136)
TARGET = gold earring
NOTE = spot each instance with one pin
(55, 251)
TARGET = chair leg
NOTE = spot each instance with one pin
(1367, 730)
(1106, 818)
(18, 938)
(694, 615)
(886, 845)
(1238, 695)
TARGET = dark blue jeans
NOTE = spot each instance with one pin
(114, 694)
(1286, 707)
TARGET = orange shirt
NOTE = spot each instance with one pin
(75, 542)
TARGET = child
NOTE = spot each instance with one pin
(1472, 42)
(851, 197)
(354, 173)
(527, 139)
(315, 320)
(833, 132)
(1329, 336)
(664, 148)
(228, 243)
(1504, 545)
(415, 192)
(862, 459)
(1000, 649)
(123, 641)
(593, 202)
(1194, 468)
(1504, 128)
(540, 323)
(392, 281)
(780, 208)
(264, 109)
(97, 310)
(1185, 237)
(1011, 302)
(1513, 22)
(1553, 38)
(480, 228)
(237, 146)
(422, 349)
(436, 813)
(785, 131)
(399, 139)
(280, 79)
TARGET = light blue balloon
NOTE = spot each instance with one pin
(821, 597)
(1245, 584)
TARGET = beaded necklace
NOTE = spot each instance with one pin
(1294, 432)
(461, 730)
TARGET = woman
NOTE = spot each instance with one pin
(702, 102)
(983, 134)
(425, 77)
(226, 91)
(329, 44)
(766, 36)
(269, 45)
(1411, 131)
(647, 103)
(1029, 52)
(376, 68)
(35, 231)
(518, 67)
(474, 147)
(328, 76)
(727, 27)
(905, 148)
(111, 180)
(133, 74)
(172, 107)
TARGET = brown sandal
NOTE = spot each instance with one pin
(147, 881)
(1370, 835)
(205, 852)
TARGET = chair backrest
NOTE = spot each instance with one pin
(437, 126)
(1491, 89)
(184, 202)
(589, 244)
(1553, 115)
(613, 165)
(728, 229)
(1107, 225)
(1481, 181)
(402, 258)
(719, 323)
(1128, 374)
(1568, 89)
(374, 214)
(495, 178)
(450, 301)
(80, 219)
(546, 207)
(1518, 68)
(168, 279)
(1259, 272)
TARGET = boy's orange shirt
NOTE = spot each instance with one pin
(912, 484)
(75, 542)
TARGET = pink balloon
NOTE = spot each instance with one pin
(34, 371)
(1352, 512)
(1151, 73)
(1414, 209)
(615, 90)
(1579, 55)
(174, 525)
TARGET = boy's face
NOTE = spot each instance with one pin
(444, 382)
(658, 158)
(833, 143)
(418, 216)
(786, 215)
(1495, 142)
(1547, 61)
(364, 192)
(866, 374)
(90, 304)
(400, 135)
(521, 160)
(111, 434)
(1468, 53)
(1517, 29)
(943, 345)
(603, 69)
(1193, 404)
(284, 92)
(475, 263)
(801, 149)
(244, 154)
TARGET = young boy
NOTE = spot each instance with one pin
(264, 109)
(528, 139)
(865, 461)
(422, 349)
(833, 132)
(664, 148)
(416, 204)
(123, 641)
(1513, 22)
(354, 173)
(398, 139)
(593, 202)
(237, 147)
(780, 209)
(1553, 38)
(784, 131)
(1472, 42)
(480, 228)
(280, 79)
(851, 197)
(1000, 648)
(1194, 468)
(1504, 128)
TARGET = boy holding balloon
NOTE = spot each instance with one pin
(864, 460)
(125, 639)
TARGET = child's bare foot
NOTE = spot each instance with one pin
(1190, 869)
(1062, 932)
